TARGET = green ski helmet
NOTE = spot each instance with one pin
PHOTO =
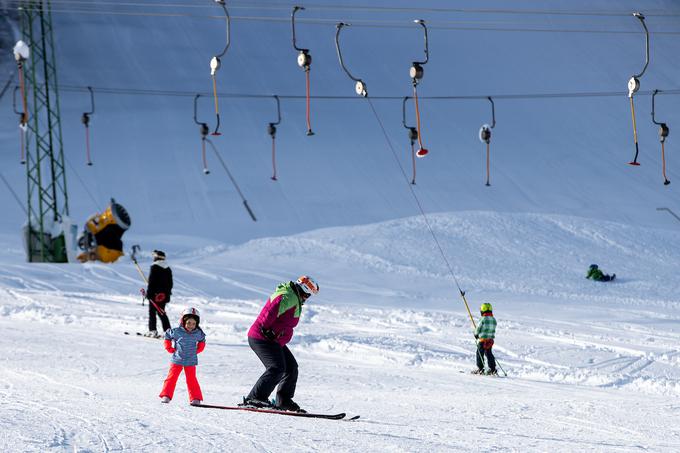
(485, 307)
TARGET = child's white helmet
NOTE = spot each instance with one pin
(190, 312)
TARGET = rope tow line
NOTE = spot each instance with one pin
(304, 60)
(663, 133)
(485, 136)
(271, 130)
(416, 72)
(85, 119)
(634, 86)
(363, 93)
(204, 130)
(215, 64)
(233, 181)
(412, 136)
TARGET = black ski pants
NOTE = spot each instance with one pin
(490, 359)
(281, 369)
(153, 313)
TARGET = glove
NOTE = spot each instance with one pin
(160, 297)
(200, 347)
(269, 334)
(142, 291)
(168, 346)
(476, 337)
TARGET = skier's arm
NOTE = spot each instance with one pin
(168, 346)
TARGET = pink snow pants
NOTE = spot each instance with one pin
(192, 383)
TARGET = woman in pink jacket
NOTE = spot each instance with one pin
(268, 337)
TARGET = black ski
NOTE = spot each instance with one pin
(339, 416)
(139, 334)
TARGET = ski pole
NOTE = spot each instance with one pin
(133, 256)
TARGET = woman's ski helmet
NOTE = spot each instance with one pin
(485, 307)
(190, 312)
(308, 285)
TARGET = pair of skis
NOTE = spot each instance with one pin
(339, 416)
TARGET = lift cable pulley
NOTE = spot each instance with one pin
(634, 86)
(412, 136)
(304, 60)
(416, 73)
(85, 119)
(663, 133)
(485, 136)
(359, 86)
(216, 63)
(204, 130)
(271, 130)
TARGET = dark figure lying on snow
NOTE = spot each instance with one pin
(596, 274)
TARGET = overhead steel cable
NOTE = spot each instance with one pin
(367, 8)
(180, 93)
(393, 24)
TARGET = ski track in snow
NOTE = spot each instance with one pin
(590, 367)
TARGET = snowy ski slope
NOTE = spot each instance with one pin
(590, 366)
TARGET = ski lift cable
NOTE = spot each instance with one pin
(517, 96)
(82, 183)
(446, 25)
(215, 64)
(663, 133)
(412, 135)
(85, 119)
(304, 61)
(204, 130)
(416, 72)
(233, 181)
(271, 130)
(371, 8)
(14, 194)
(634, 86)
(418, 204)
(363, 93)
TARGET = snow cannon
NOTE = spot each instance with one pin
(101, 236)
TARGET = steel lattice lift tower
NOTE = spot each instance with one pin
(47, 229)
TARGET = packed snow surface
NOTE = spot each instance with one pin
(590, 366)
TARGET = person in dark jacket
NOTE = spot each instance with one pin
(268, 337)
(158, 292)
(596, 274)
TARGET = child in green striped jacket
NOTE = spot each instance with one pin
(485, 333)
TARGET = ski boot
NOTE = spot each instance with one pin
(288, 405)
(478, 371)
(152, 334)
(165, 399)
(492, 373)
(195, 402)
(254, 402)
